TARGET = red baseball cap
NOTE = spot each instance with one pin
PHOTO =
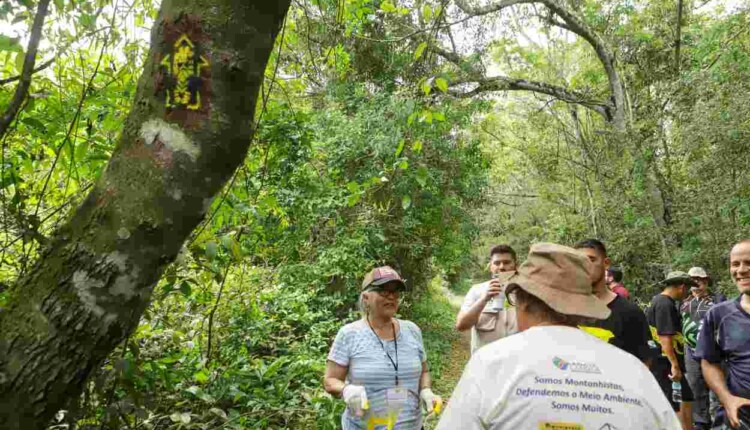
(381, 275)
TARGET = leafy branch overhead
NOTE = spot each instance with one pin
(613, 109)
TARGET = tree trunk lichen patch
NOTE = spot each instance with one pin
(157, 132)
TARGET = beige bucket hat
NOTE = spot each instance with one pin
(697, 272)
(561, 277)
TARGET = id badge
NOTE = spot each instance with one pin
(396, 397)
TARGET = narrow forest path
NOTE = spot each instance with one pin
(457, 359)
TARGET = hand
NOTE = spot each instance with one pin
(676, 374)
(495, 289)
(732, 406)
(430, 401)
(355, 398)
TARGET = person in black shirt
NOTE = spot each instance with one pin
(666, 330)
(626, 326)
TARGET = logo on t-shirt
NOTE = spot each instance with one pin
(575, 366)
(560, 363)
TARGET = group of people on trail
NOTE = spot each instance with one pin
(556, 345)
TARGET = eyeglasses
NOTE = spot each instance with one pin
(387, 293)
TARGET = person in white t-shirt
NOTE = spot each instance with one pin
(480, 312)
(552, 375)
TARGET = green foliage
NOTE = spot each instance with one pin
(665, 194)
(349, 169)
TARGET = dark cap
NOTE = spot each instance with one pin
(381, 275)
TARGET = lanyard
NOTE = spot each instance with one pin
(395, 342)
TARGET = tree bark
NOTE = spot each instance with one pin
(189, 128)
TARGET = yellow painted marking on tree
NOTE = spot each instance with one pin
(601, 333)
(182, 65)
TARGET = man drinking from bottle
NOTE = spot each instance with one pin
(484, 310)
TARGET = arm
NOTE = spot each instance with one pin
(468, 319)
(334, 379)
(668, 325)
(668, 348)
(469, 313)
(424, 380)
(432, 403)
(716, 381)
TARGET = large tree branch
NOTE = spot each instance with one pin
(502, 83)
(488, 8)
(575, 25)
(28, 68)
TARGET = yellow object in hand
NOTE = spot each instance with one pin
(438, 405)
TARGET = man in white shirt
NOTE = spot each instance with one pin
(552, 375)
(487, 322)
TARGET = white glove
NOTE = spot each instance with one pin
(430, 401)
(355, 398)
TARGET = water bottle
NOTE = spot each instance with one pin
(497, 303)
(676, 392)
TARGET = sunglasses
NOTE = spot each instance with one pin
(382, 292)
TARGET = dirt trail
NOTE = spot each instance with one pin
(457, 359)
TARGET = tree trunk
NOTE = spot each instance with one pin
(189, 129)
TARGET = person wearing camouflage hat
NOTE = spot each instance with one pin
(668, 343)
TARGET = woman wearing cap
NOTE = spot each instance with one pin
(378, 365)
(553, 375)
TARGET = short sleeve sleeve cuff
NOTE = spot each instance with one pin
(471, 297)
(340, 349)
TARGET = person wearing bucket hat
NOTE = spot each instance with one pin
(724, 346)
(552, 375)
(669, 343)
(693, 309)
(703, 281)
(378, 364)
